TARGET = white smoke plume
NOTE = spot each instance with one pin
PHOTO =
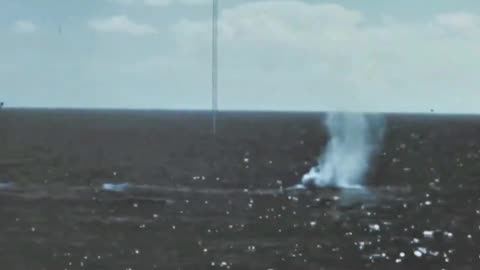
(354, 137)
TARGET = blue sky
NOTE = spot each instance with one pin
(403, 56)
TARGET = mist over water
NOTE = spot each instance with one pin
(354, 137)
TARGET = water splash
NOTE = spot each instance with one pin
(116, 187)
(7, 186)
(354, 137)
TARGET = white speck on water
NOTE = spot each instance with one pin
(206, 202)
(428, 234)
(246, 160)
(135, 205)
(155, 215)
(137, 251)
(251, 248)
(173, 227)
(448, 234)
(374, 227)
(428, 203)
(205, 250)
(142, 226)
(415, 241)
(33, 229)
(402, 254)
(295, 199)
(417, 253)
(398, 260)
(313, 223)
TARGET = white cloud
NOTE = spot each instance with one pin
(121, 24)
(162, 3)
(459, 21)
(24, 26)
(333, 56)
(195, 2)
(123, 2)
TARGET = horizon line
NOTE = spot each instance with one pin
(207, 110)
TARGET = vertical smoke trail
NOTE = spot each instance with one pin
(353, 139)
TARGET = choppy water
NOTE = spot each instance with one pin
(154, 190)
(159, 227)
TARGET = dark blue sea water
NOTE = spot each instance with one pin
(155, 190)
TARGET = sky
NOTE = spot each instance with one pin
(292, 55)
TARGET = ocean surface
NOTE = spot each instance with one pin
(156, 190)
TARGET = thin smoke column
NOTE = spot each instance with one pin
(354, 137)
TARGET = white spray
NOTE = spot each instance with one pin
(345, 162)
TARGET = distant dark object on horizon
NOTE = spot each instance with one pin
(1, 105)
